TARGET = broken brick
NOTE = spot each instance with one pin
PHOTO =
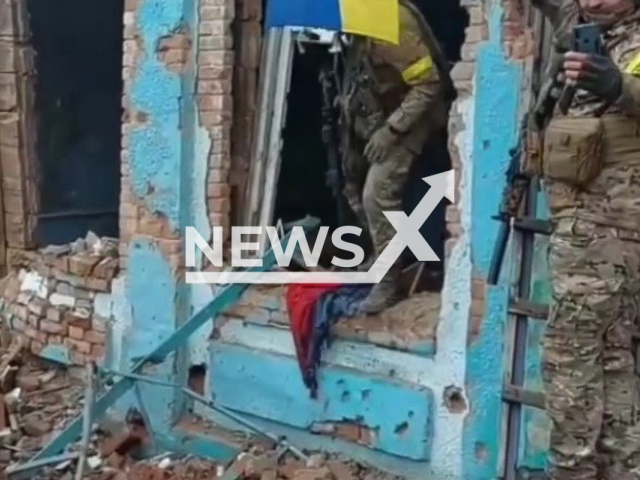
(55, 328)
(106, 268)
(34, 320)
(78, 318)
(53, 314)
(78, 345)
(98, 284)
(37, 306)
(82, 264)
(76, 333)
(35, 425)
(62, 263)
(341, 470)
(28, 383)
(95, 337)
(314, 474)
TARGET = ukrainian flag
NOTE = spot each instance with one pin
(372, 18)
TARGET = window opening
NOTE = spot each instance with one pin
(78, 94)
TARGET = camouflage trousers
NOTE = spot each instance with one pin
(588, 365)
(372, 189)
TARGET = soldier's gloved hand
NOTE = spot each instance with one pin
(594, 73)
(379, 144)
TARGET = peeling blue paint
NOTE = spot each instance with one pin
(57, 354)
(269, 386)
(156, 92)
(496, 122)
(152, 294)
(161, 176)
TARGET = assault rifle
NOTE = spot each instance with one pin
(334, 177)
(514, 192)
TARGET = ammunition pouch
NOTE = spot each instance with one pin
(573, 150)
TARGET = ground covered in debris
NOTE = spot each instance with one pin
(39, 399)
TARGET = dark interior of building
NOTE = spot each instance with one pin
(302, 189)
(78, 47)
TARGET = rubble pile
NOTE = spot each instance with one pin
(57, 299)
(39, 399)
(36, 401)
(270, 465)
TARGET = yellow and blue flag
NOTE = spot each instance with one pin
(372, 18)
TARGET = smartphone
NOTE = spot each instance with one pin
(587, 39)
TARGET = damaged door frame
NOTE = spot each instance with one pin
(275, 83)
(276, 66)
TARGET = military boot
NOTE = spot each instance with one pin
(383, 295)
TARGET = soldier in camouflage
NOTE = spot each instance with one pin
(394, 98)
(591, 170)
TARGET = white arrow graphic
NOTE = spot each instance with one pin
(408, 235)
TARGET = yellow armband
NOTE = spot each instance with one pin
(418, 71)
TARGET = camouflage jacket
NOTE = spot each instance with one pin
(613, 198)
(397, 84)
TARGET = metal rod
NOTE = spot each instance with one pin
(209, 403)
(520, 339)
(87, 420)
(25, 467)
(529, 398)
(77, 213)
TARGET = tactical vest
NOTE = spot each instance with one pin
(591, 156)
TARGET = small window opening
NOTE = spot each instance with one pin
(78, 93)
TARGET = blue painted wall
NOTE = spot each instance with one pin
(168, 157)
(497, 113)
(270, 386)
(161, 166)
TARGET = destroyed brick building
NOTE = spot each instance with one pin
(122, 122)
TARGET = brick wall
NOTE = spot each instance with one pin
(17, 132)
(519, 46)
(51, 298)
(135, 217)
(215, 62)
(462, 75)
(247, 33)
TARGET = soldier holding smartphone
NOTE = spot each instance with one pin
(590, 164)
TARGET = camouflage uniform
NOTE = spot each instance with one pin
(594, 258)
(399, 87)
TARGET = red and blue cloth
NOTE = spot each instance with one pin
(313, 310)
